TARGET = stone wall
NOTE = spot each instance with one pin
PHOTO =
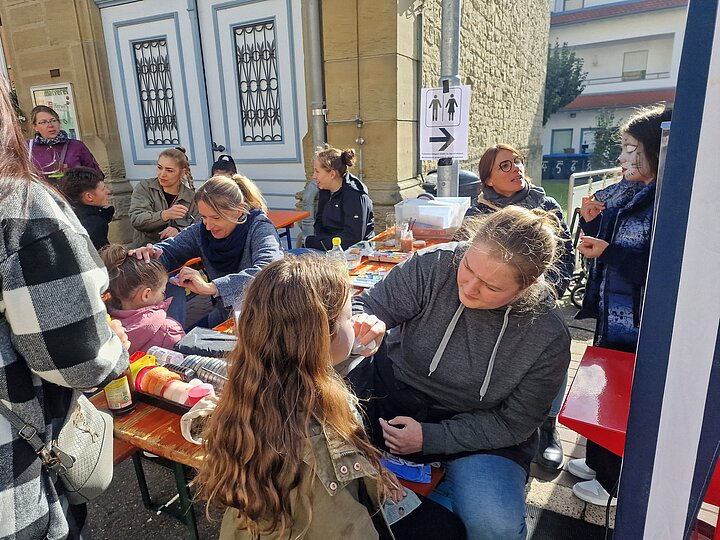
(502, 57)
(67, 35)
(371, 56)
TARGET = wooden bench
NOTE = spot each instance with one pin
(122, 450)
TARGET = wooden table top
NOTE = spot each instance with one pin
(155, 430)
(286, 218)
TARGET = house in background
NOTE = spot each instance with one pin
(631, 52)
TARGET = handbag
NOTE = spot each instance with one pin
(82, 455)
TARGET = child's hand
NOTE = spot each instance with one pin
(176, 211)
(117, 327)
(591, 208)
(168, 232)
(397, 492)
(592, 247)
(193, 280)
(146, 253)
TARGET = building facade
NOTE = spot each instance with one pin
(232, 76)
(631, 52)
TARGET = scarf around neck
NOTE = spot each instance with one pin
(224, 254)
(60, 138)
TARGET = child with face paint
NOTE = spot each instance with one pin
(617, 223)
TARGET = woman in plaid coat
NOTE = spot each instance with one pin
(54, 335)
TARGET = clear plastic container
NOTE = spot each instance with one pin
(439, 218)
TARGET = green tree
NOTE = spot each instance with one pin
(607, 141)
(565, 78)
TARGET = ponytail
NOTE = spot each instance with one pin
(127, 274)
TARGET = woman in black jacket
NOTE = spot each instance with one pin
(344, 207)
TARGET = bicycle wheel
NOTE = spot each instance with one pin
(577, 296)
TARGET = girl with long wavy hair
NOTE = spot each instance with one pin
(286, 453)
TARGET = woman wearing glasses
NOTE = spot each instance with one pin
(502, 173)
(51, 150)
(161, 207)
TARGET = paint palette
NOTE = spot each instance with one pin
(369, 278)
(392, 257)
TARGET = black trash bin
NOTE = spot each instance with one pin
(469, 183)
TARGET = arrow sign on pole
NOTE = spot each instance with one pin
(447, 139)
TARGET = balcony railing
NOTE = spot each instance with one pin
(611, 80)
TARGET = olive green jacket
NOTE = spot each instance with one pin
(146, 204)
(325, 504)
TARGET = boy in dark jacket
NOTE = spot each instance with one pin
(90, 198)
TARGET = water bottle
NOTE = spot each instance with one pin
(336, 255)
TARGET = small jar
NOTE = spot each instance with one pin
(406, 241)
(118, 395)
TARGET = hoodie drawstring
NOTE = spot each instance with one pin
(446, 337)
(491, 363)
(443, 343)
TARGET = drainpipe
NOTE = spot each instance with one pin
(313, 16)
(448, 169)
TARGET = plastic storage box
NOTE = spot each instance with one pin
(439, 218)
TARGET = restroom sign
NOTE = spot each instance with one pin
(445, 116)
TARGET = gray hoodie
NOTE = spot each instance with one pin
(499, 403)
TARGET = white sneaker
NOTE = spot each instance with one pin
(579, 468)
(591, 491)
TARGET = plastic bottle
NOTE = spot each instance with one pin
(336, 255)
(166, 356)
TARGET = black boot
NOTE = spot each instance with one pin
(550, 453)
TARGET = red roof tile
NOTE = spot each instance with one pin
(612, 10)
(621, 99)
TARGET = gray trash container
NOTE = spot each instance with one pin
(469, 183)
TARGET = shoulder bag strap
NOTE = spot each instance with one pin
(54, 459)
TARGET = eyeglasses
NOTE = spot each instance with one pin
(507, 164)
(46, 122)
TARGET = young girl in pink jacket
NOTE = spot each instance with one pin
(138, 299)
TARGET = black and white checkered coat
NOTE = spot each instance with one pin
(54, 339)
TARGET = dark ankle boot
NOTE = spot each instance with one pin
(550, 453)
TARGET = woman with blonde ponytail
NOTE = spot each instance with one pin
(475, 354)
(163, 206)
(235, 240)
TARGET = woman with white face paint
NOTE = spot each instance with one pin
(617, 222)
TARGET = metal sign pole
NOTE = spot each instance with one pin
(448, 168)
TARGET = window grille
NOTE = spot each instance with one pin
(257, 73)
(152, 70)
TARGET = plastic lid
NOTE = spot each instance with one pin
(336, 241)
(196, 393)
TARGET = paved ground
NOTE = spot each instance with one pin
(119, 513)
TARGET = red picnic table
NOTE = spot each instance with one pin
(598, 404)
(286, 219)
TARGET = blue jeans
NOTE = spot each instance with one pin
(488, 493)
(558, 401)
